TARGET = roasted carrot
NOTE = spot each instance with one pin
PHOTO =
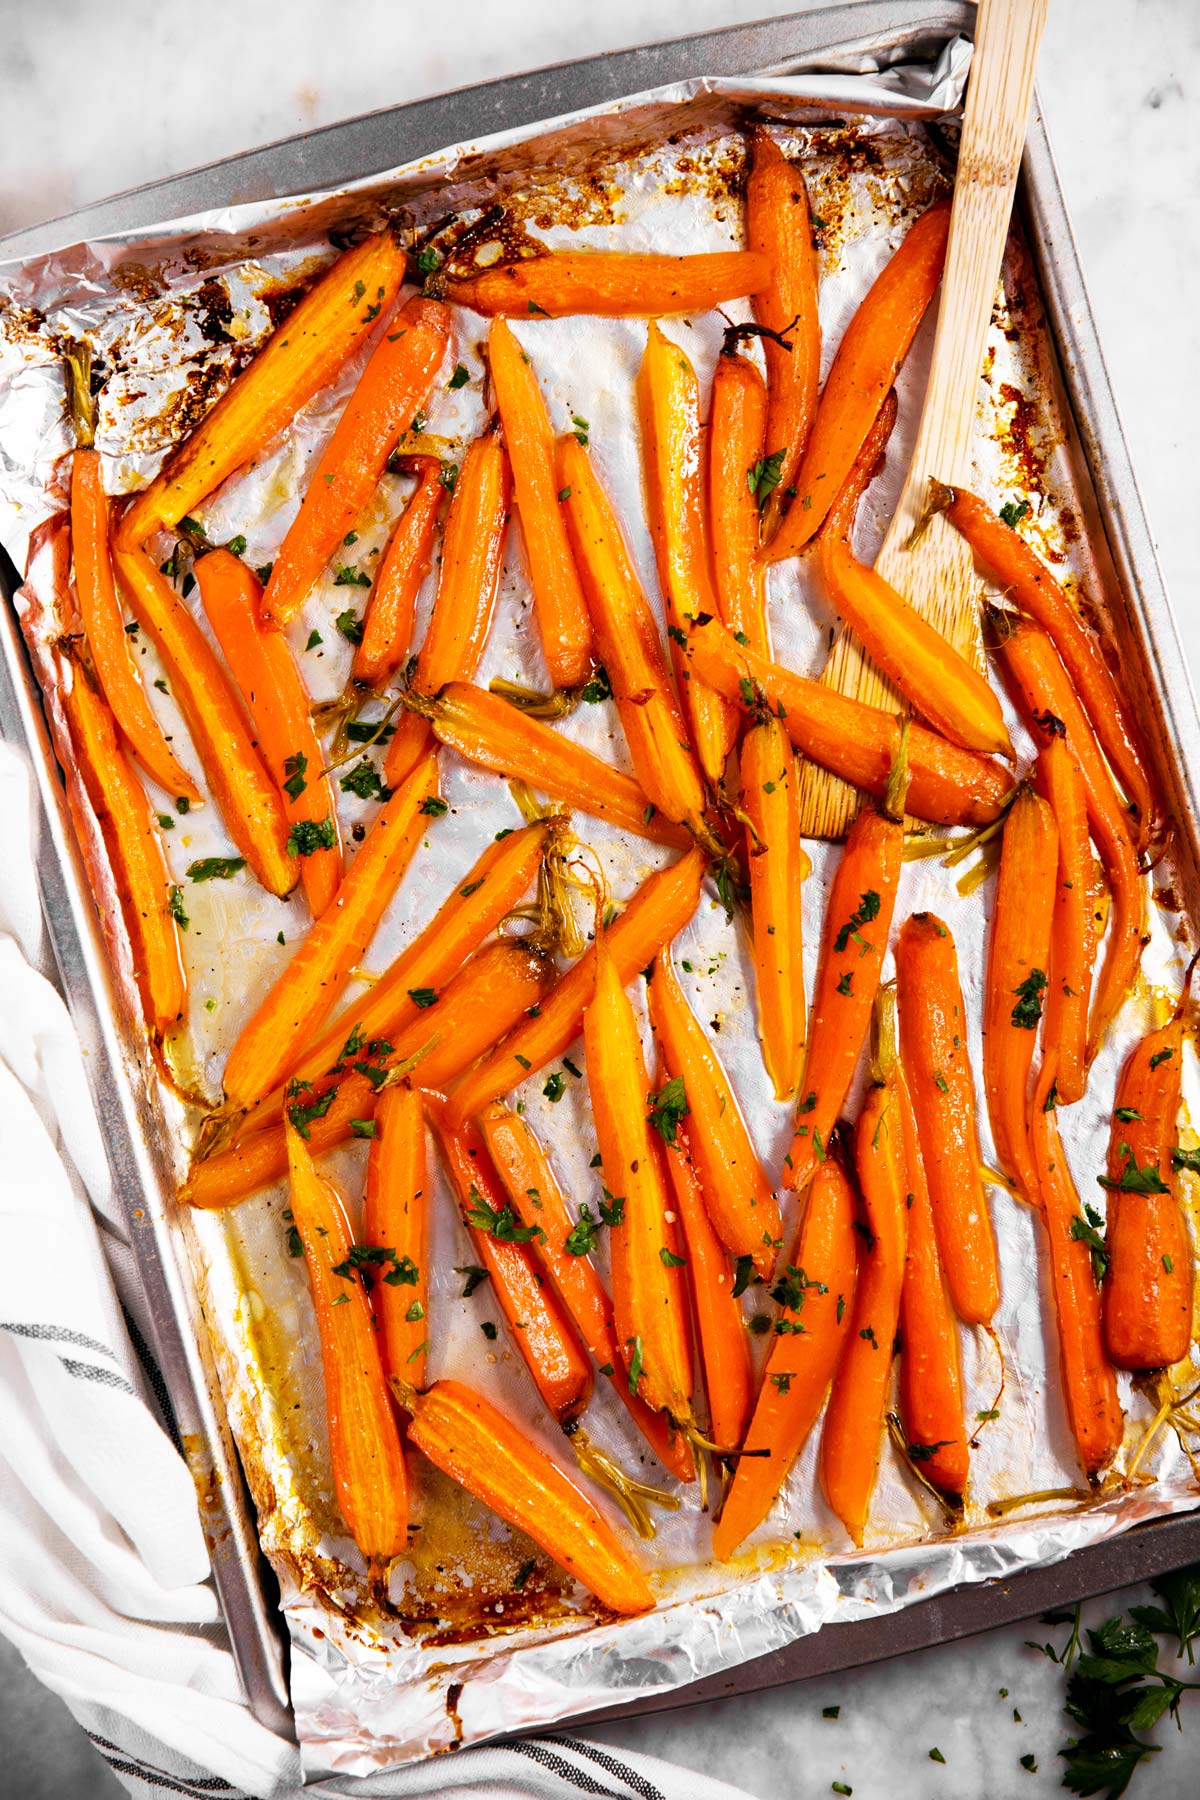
(269, 1042)
(303, 353)
(609, 284)
(1089, 1384)
(743, 1210)
(395, 1221)
(538, 1322)
(737, 426)
(937, 1063)
(280, 710)
(778, 866)
(237, 776)
(843, 514)
(473, 1443)
(1015, 984)
(488, 731)
(779, 224)
(816, 1305)
(563, 1246)
(1027, 583)
(467, 584)
(104, 627)
(649, 1303)
(853, 1432)
(1073, 932)
(858, 918)
(875, 343)
(1047, 700)
(629, 645)
(492, 992)
(1147, 1290)
(143, 880)
(658, 911)
(948, 785)
(390, 391)
(364, 1444)
(668, 398)
(558, 601)
(388, 620)
(720, 1329)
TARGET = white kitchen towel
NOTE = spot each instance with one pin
(103, 1568)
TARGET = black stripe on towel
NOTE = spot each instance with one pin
(557, 1765)
(645, 1789)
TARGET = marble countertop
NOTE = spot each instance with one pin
(1119, 86)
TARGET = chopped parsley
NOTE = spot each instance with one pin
(667, 1108)
(215, 868)
(307, 836)
(1028, 1009)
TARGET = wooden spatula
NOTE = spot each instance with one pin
(936, 575)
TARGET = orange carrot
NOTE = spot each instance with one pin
(876, 342)
(364, 1444)
(669, 410)
(858, 918)
(1148, 1286)
(467, 585)
(658, 911)
(396, 1220)
(743, 1210)
(148, 901)
(779, 224)
(778, 866)
(391, 389)
(1089, 1385)
(238, 778)
(1027, 583)
(388, 621)
(948, 785)
(1073, 932)
(536, 1318)
(937, 1061)
(842, 516)
(558, 599)
(303, 354)
(494, 989)
(473, 1443)
(737, 425)
(280, 710)
(107, 638)
(609, 284)
(267, 1044)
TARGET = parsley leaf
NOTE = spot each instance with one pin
(307, 836)
(867, 909)
(503, 1225)
(1028, 1009)
(215, 868)
(667, 1108)
(764, 476)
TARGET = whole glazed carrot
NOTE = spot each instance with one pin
(610, 284)
(490, 732)
(364, 1445)
(742, 1208)
(468, 581)
(668, 398)
(537, 1320)
(104, 627)
(396, 1219)
(390, 391)
(562, 616)
(816, 1307)
(280, 710)
(858, 917)
(494, 989)
(469, 1440)
(123, 810)
(948, 785)
(1059, 781)
(658, 911)
(1147, 1291)
(1015, 983)
(875, 344)
(779, 224)
(629, 645)
(388, 620)
(778, 866)
(1089, 1384)
(737, 427)
(237, 776)
(1027, 583)
(269, 1042)
(937, 1064)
